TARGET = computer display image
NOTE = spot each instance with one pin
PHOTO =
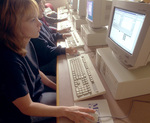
(128, 33)
(126, 27)
(90, 10)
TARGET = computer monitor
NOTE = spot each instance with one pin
(129, 33)
(74, 4)
(98, 12)
(81, 8)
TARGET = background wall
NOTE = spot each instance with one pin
(57, 3)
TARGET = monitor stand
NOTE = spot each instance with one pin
(77, 21)
(122, 82)
(93, 37)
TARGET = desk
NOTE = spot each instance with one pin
(140, 112)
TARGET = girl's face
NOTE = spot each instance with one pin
(30, 27)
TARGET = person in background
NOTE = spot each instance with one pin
(23, 99)
(48, 5)
(45, 46)
(50, 18)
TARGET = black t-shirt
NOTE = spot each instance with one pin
(18, 77)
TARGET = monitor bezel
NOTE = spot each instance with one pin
(132, 60)
(81, 10)
(99, 13)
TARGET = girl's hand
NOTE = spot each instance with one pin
(66, 30)
(65, 35)
(71, 51)
(79, 114)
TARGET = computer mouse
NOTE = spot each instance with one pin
(96, 117)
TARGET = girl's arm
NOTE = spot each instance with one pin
(74, 113)
(46, 81)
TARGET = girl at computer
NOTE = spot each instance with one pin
(22, 95)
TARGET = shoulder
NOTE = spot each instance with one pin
(7, 55)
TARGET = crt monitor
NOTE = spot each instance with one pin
(129, 33)
(81, 8)
(98, 12)
(74, 4)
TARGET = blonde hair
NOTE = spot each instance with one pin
(11, 14)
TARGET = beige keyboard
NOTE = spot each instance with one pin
(84, 79)
(74, 41)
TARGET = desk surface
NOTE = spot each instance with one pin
(140, 112)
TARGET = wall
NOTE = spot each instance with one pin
(57, 3)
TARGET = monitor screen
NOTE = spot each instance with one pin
(90, 6)
(125, 28)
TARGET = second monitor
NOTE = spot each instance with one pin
(97, 17)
